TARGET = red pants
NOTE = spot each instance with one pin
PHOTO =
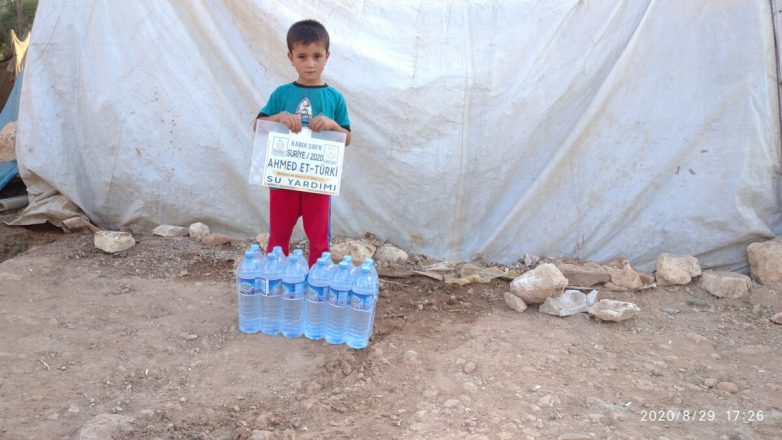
(285, 208)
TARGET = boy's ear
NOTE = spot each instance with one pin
(290, 56)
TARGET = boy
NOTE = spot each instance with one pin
(306, 102)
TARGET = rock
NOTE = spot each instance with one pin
(698, 339)
(411, 357)
(261, 435)
(78, 223)
(728, 387)
(624, 276)
(469, 367)
(569, 303)
(725, 284)
(539, 283)
(710, 382)
(514, 302)
(113, 241)
(263, 240)
(573, 436)
(171, 231)
(104, 427)
(359, 250)
(765, 262)
(585, 274)
(612, 310)
(548, 401)
(450, 403)
(214, 239)
(529, 260)
(8, 142)
(390, 254)
(647, 279)
(777, 319)
(676, 269)
(198, 231)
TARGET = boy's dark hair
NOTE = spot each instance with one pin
(307, 32)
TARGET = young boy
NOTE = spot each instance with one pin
(306, 102)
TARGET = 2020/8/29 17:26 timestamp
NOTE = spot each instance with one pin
(701, 415)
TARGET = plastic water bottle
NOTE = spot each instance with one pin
(337, 310)
(277, 250)
(329, 261)
(249, 295)
(302, 261)
(373, 272)
(317, 300)
(255, 248)
(292, 325)
(271, 295)
(362, 309)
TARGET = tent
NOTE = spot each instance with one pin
(482, 128)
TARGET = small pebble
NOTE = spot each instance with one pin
(469, 367)
(729, 387)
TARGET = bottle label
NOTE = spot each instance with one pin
(293, 290)
(271, 287)
(338, 297)
(247, 286)
(361, 302)
(316, 294)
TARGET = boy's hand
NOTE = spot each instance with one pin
(321, 122)
(293, 122)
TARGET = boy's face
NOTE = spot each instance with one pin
(309, 61)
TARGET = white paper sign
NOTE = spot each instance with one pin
(306, 161)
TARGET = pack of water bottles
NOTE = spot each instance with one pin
(279, 294)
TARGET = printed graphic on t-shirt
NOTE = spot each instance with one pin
(304, 110)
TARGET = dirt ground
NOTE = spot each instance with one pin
(143, 344)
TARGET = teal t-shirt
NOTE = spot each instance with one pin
(308, 102)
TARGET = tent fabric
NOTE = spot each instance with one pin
(488, 129)
(10, 111)
(8, 170)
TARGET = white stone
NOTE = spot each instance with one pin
(411, 357)
(612, 310)
(676, 269)
(171, 231)
(198, 231)
(113, 241)
(625, 277)
(390, 254)
(359, 250)
(261, 435)
(765, 261)
(585, 274)
(539, 283)
(104, 426)
(725, 284)
(514, 302)
(215, 239)
(569, 303)
(728, 387)
(777, 319)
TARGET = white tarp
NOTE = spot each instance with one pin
(569, 128)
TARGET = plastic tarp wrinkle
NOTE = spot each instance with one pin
(480, 129)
